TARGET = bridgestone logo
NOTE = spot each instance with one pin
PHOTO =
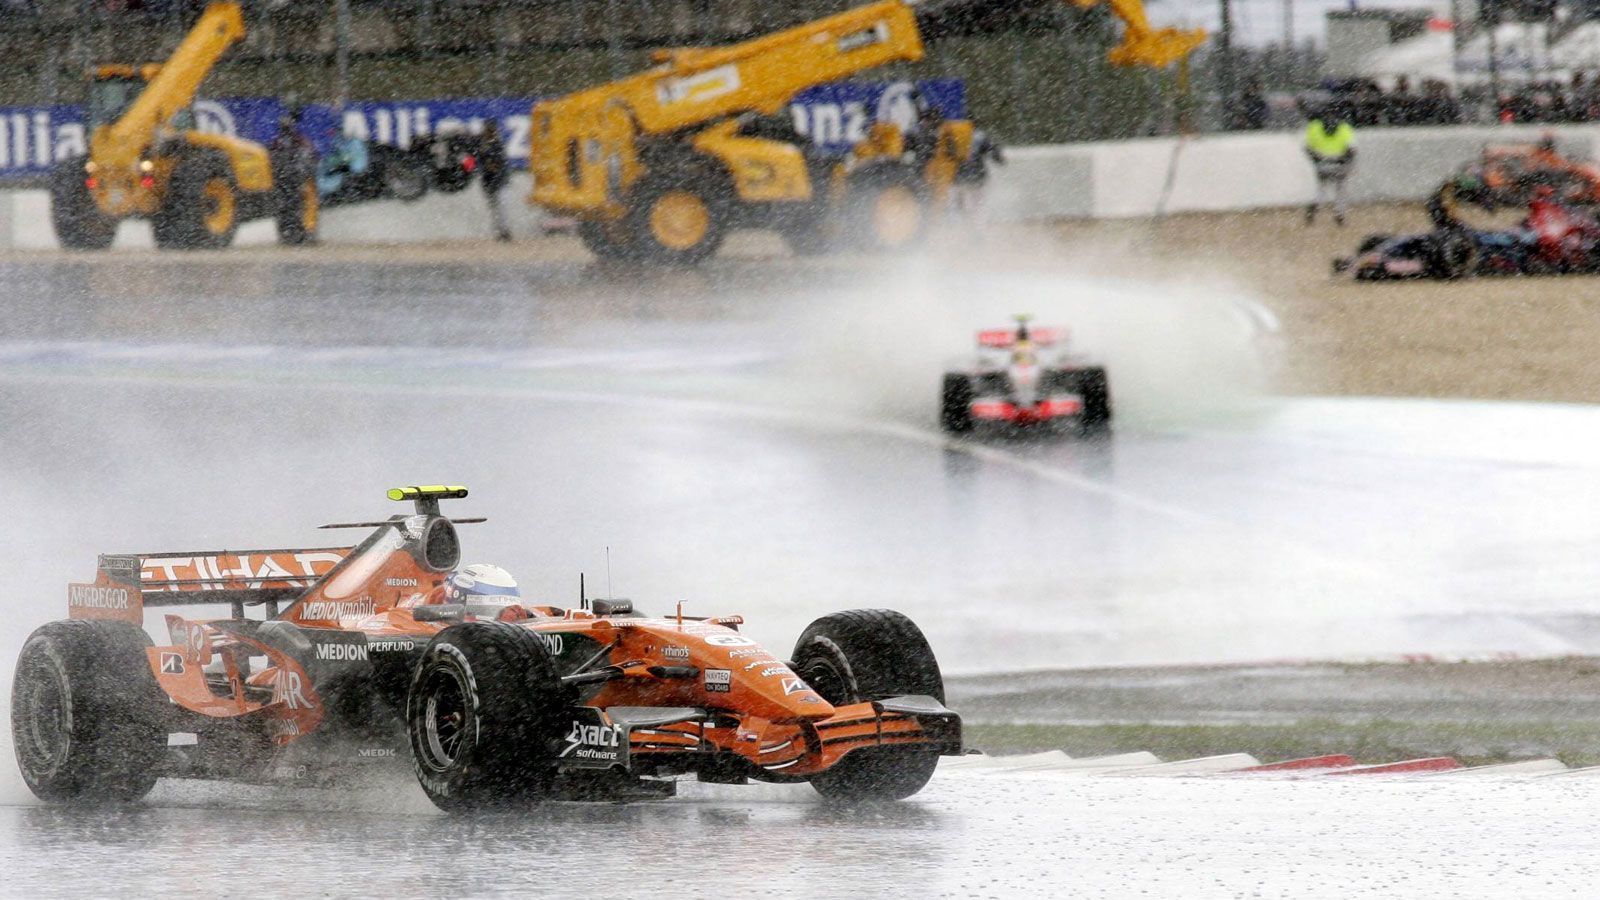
(327, 610)
(342, 652)
(91, 597)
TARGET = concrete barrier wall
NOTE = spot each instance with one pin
(1113, 179)
(1241, 171)
(25, 220)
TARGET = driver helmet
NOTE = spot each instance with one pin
(482, 588)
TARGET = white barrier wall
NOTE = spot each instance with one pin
(1108, 179)
(25, 220)
(1122, 179)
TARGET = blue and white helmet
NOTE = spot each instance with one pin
(481, 584)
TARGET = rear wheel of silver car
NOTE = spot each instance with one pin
(483, 714)
(87, 716)
(870, 654)
(955, 404)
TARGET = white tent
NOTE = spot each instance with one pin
(1521, 50)
(1427, 55)
(1580, 49)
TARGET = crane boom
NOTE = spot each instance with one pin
(173, 87)
(1142, 45)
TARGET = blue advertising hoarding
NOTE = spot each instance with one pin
(34, 138)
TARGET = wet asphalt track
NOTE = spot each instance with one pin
(758, 438)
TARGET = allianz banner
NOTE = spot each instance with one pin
(34, 138)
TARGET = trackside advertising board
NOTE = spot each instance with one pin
(34, 138)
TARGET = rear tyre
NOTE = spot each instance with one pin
(78, 222)
(955, 404)
(679, 217)
(483, 715)
(201, 208)
(870, 654)
(299, 213)
(87, 716)
(1096, 394)
(886, 209)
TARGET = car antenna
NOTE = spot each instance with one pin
(608, 572)
(583, 600)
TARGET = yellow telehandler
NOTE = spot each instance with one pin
(659, 166)
(147, 159)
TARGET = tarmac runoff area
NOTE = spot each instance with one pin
(757, 438)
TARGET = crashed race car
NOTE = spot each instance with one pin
(1509, 175)
(335, 656)
(1553, 238)
(1024, 377)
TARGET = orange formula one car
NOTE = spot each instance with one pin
(1511, 174)
(353, 654)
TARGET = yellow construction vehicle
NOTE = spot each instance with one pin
(660, 165)
(147, 159)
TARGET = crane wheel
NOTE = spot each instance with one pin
(298, 215)
(201, 207)
(679, 218)
(607, 240)
(806, 228)
(887, 209)
(78, 222)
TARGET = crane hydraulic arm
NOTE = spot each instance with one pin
(171, 89)
(1142, 45)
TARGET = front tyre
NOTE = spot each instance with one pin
(870, 654)
(955, 404)
(483, 715)
(87, 716)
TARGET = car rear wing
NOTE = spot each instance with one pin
(126, 583)
(1006, 338)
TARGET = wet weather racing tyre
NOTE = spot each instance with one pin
(955, 405)
(201, 208)
(1096, 394)
(87, 717)
(679, 217)
(483, 715)
(886, 209)
(1455, 256)
(870, 654)
(299, 213)
(78, 222)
